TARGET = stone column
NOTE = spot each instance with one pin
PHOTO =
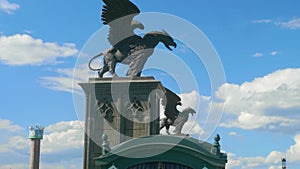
(35, 154)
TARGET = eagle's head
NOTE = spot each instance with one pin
(167, 40)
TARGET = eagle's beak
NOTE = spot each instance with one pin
(141, 26)
(173, 44)
(136, 24)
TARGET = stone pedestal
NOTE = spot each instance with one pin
(122, 109)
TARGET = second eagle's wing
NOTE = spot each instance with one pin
(119, 14)
(170, 102)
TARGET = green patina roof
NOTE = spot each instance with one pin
(169, 148)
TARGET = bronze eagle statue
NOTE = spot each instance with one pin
(127, 47)
(173, 116)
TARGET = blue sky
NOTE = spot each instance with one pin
(257, 43)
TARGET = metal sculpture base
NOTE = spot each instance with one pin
(121, 108)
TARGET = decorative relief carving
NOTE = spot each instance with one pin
(106, 109)
(136, 109)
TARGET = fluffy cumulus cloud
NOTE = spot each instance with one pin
(270, 102)
(8, 7)
(63, 136)
(22, 49)
(271, 161)
(61, 147)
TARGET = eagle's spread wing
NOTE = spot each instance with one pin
(170, 102)
(119, 14)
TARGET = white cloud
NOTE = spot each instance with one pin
(291, 24)
(14, 143)
(7, 125)
(189, 100)
(11, 140)
(253, 121)
(273, 53)
(63, 126)
(232, 133)
(258, 54)
(262, 21)
(8, 7)
(67, 80)
(22, 49)
(270, 102)
(63, 136)
(235, 162)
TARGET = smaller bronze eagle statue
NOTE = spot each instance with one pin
(173, 116)
(127, 47)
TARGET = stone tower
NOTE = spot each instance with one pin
(35, 135)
